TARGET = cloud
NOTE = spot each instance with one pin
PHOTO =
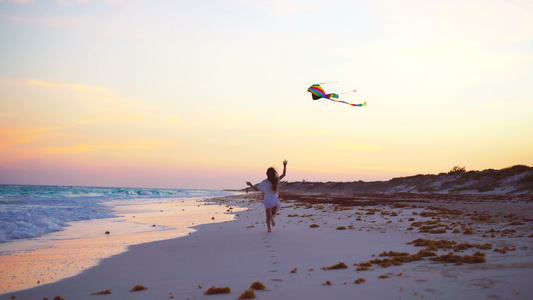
(19, 1)
(60, 2)
(352, 146)
(11, 135)
(284, 8)
(53, 85)
(175, 120)
(124, 146)
(72, 2)
(71, 87)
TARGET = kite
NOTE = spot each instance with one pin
(317, 92)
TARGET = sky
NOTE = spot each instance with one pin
(209, 94)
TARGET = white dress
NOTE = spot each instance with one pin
(271, 197)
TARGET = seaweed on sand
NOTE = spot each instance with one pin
(138, 288)
(106, 292)
(258, 286)
(338, 266)
(218, 290)
(248, 294)
(478, 257)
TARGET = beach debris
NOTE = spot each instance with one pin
(317, 92)
(258, 286)
(505, 249)
(199, 286)
(106, 292)
(515, 223)
(314, 226)
(478, 257)
(434, 245)
(383, 276)
(248, 294)
(359, 280)
(468, 231)
(327, 283)
(295, 270)
(364, 266)
(393, 253)
(218, 290)
(341, 228)
(138, 288)
(338, 266)
(13, 297)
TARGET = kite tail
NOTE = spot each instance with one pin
(352, 104)
(332, 96)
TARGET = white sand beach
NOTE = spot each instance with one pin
(292, 261)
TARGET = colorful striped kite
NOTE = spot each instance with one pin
(317, 92)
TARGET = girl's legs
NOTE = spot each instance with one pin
(268, 218)
(273, 211)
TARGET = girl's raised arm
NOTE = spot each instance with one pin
(284, 170)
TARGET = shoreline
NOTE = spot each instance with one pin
(63, 254)
(240, 252)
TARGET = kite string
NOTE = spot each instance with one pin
(348, 92)
(328, 82)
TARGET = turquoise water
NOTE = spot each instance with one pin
(29, 211)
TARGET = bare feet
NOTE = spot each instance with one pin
(272, 221)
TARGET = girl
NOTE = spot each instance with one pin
(269, 186)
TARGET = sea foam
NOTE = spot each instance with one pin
(31, 211)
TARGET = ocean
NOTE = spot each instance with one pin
(52, 232)
(29, 211)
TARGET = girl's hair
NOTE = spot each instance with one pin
(272, 176)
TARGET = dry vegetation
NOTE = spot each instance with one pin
(218, 290)
(518, 179)
(138, 288)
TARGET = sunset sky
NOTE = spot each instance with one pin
(208, 94)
